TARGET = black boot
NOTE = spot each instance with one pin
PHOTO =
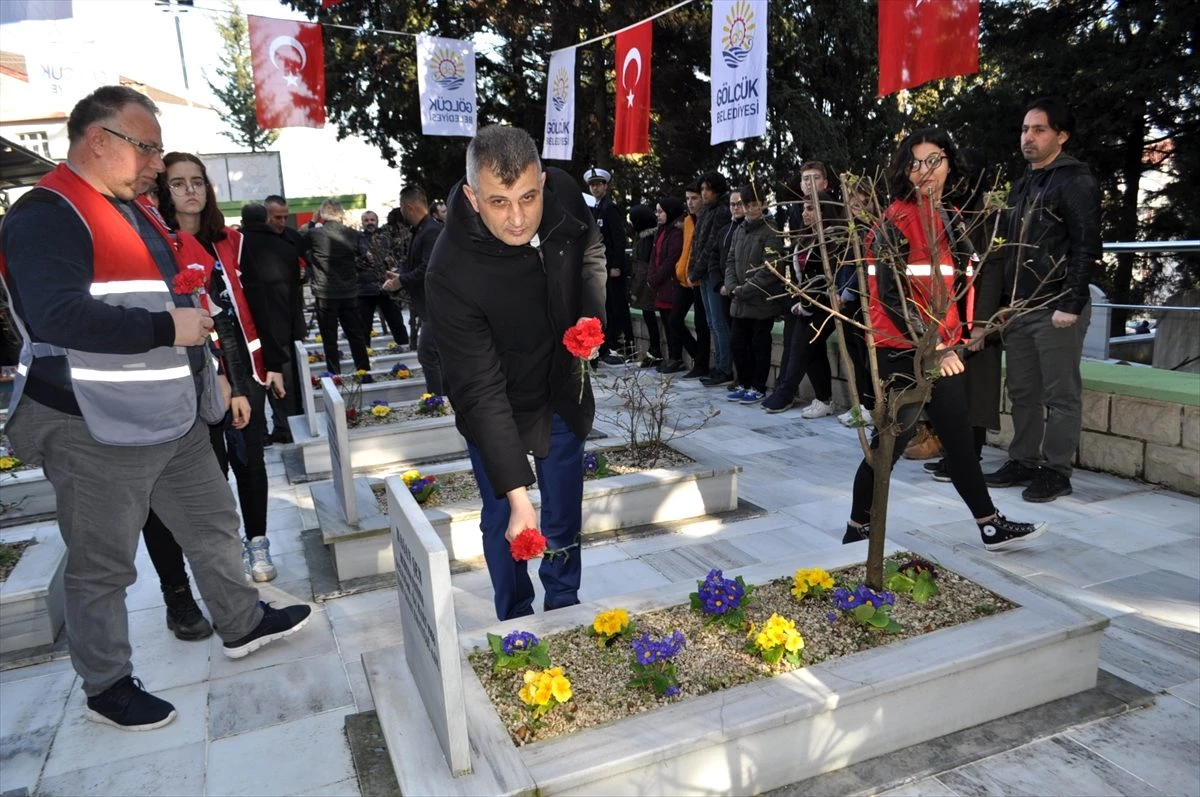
(183, 615)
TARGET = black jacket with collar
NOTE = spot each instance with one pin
(611, 221)
(498, 315)
(271, 279)
(420, 251)
(1054, 232)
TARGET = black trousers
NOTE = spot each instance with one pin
(751, 345)
(392, 314)
(616, 310)
(679, 337)
(283, 408)
(856, 347)
(331, 313)
(805, 354)
(947, 413)
(241, 449)
(653, 335)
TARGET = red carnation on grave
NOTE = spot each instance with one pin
(528, 544)
(189, 281)
(583, 338)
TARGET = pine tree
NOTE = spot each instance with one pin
(234, 87)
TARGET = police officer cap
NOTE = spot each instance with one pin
(596, 173)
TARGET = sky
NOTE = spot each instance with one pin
(139, 40)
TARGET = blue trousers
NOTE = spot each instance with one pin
(560, 479)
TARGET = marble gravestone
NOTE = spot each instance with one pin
(338, 435)
(306, 388)
(431, 646)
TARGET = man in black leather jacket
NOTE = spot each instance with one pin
(333, 275)
(1054, 236)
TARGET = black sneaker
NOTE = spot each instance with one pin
(696, 373)
(1010, 474)
(940, 473)
(778, 401)
(933, 467)
(275, 624)
(1000, 532)
(128, 706)
(670, 366)
(717, 379)
(612, 358)
(183, 615)
(1047, 485)
(856, 533)
(650, 361)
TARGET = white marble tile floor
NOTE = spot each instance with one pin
(1125, 549)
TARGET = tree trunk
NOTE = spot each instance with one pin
(881, 464)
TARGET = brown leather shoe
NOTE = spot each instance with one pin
(924, 445)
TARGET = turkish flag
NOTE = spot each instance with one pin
(288, 59)
(923, 40)
(631, 136)
(329, 3)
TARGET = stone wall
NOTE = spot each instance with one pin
(1138, 438)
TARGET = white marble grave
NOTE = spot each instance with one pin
(32, 597)
(772, 732)
(26, 496)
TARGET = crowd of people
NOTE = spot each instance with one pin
(140, 388)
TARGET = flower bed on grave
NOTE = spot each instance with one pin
(9, 462)
(397, 373)
(453, 488)
(589, 676)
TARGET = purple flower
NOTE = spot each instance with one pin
(831, 617)
(379, 403)
(648, 651)
(590, 465)
(671, 691)
(719, 595)
(519, 642)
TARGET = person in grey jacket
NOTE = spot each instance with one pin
(333, 277)
(757, 292)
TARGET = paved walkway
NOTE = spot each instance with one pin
(272, 723)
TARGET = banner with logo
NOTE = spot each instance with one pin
(66, 70)
(631, 132)
(288, 61)
(559, 137)
(739, 69)
(446, 78)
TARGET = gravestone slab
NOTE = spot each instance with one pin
(427, 618)
(338, 435)
(306, 388)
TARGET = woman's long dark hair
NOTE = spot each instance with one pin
(896, 176)
(212, 222)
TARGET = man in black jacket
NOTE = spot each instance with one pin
(333, 276)
(1054, 230)
(411, 275)
(271, 279)
(619, 346)
(707, 269)
(519, 263)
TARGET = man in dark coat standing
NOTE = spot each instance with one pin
(519, 262)
(333, 275)
(271, 279)
(411, 275)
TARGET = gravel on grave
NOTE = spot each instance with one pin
(715, 658)
(456, 487)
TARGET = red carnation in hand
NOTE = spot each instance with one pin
(189, 281)
(528, 544)
(583, 338)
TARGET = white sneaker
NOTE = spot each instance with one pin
(818, 409)
(261, 566)
(856, 417)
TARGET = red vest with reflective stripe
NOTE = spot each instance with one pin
(918, 280)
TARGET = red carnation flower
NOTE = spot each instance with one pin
(528, 544)
(583, 338)
(189, 281)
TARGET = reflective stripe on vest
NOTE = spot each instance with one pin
(148, 375)
(129, 286)
(918, 270)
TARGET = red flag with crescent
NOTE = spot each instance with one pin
(923, 40)
(288, 60)
(631, 133)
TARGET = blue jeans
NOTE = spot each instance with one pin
(718, 322)
(560, 480)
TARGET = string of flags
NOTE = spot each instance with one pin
(919, 41)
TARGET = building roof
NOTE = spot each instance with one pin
(20, 166)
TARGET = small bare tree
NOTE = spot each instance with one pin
(645, 414)
(838, 242)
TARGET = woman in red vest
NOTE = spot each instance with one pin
(187, 202)
(914, 257)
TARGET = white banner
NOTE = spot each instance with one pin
(739, 69)
(559, 139)
(446, 77)
(66, 71)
